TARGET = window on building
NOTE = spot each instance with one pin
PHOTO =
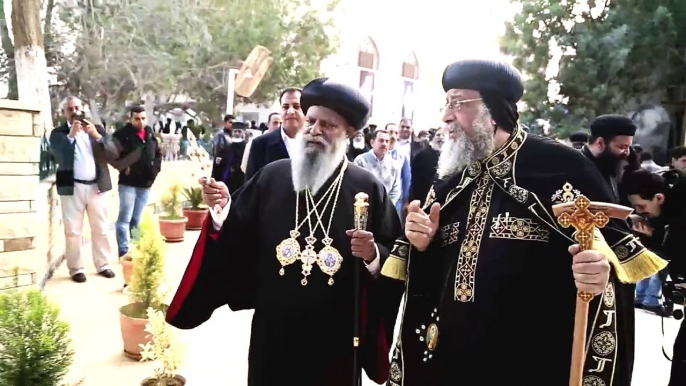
(368, 61)
(369, 55)
(410, 66)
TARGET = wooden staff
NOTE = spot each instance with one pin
(584, 215)
(361, 215)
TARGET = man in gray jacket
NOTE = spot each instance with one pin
(381, 165)
(82, 152)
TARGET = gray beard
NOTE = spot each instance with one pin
(460, 150)
(311, 168)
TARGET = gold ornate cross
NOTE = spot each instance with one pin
(584, 215)
(585, 222)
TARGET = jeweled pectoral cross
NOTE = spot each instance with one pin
(585, 216)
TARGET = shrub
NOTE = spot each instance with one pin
(194, 196)
(34, 343)
(165, 347)
(148, 269)
(171, 204)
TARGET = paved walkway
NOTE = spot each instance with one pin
(217, 351)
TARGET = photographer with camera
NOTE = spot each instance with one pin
(82, 151)
(661, 220)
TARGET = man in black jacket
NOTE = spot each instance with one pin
(665, 208)
(276, 145)
(139, 163)
(82, 151)
(423, 167)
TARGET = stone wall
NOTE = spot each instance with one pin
(20, 134)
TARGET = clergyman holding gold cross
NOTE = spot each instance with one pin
(286, 246)
(492, 277)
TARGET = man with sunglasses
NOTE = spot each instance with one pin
(494, 279)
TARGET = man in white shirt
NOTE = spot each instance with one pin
(385, 169)
(82, 152)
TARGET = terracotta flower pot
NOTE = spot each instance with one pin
(195, 218)
(178, 379)
(127, 269)
(133, 329)
(173, 230)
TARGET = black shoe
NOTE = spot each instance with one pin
(106, 273)
(79, 278)
(657, 310)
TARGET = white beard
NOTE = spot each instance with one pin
(359, 145)
(310, 168)
(460, 150)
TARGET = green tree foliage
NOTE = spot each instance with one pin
(35, 349)
(612, 56)
(124, 49)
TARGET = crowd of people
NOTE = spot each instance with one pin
(468, 206)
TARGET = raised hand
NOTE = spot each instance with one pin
(420, 228)
(215, 193)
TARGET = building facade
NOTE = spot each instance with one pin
(395, 53)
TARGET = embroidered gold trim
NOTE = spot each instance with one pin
(450, 233)
(628, 248)
(566, 194)
(516, 228)
(520, 194)
(469, 252)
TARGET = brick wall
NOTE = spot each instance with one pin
(20, 135)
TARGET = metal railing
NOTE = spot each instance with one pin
(46, 165)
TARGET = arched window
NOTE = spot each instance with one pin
(410, 66)
(368, 61)
(410, 73)
(369, 55)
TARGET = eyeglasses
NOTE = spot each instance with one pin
(457, 104)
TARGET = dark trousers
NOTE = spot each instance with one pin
(678, 376)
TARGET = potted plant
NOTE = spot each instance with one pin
(126, 261)
(145, 289)
(197, 212)
(35, 349)
(172, 222)
(164, 346)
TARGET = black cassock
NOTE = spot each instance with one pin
(423, 172)
(301, 335)
(492, 299)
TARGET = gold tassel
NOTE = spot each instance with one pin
(600, 245)
(395, 268)
(643, 265)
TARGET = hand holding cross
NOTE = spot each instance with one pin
(584, 215)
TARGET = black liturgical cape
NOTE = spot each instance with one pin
(301, 335)
(492, 299)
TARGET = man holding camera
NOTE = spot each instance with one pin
(665, 230)
(82, 151)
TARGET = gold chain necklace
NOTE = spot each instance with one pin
(308, 256)
(288, 251)
(329, 258)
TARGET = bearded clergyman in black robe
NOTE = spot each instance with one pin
(285, 246)
(491, 278)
